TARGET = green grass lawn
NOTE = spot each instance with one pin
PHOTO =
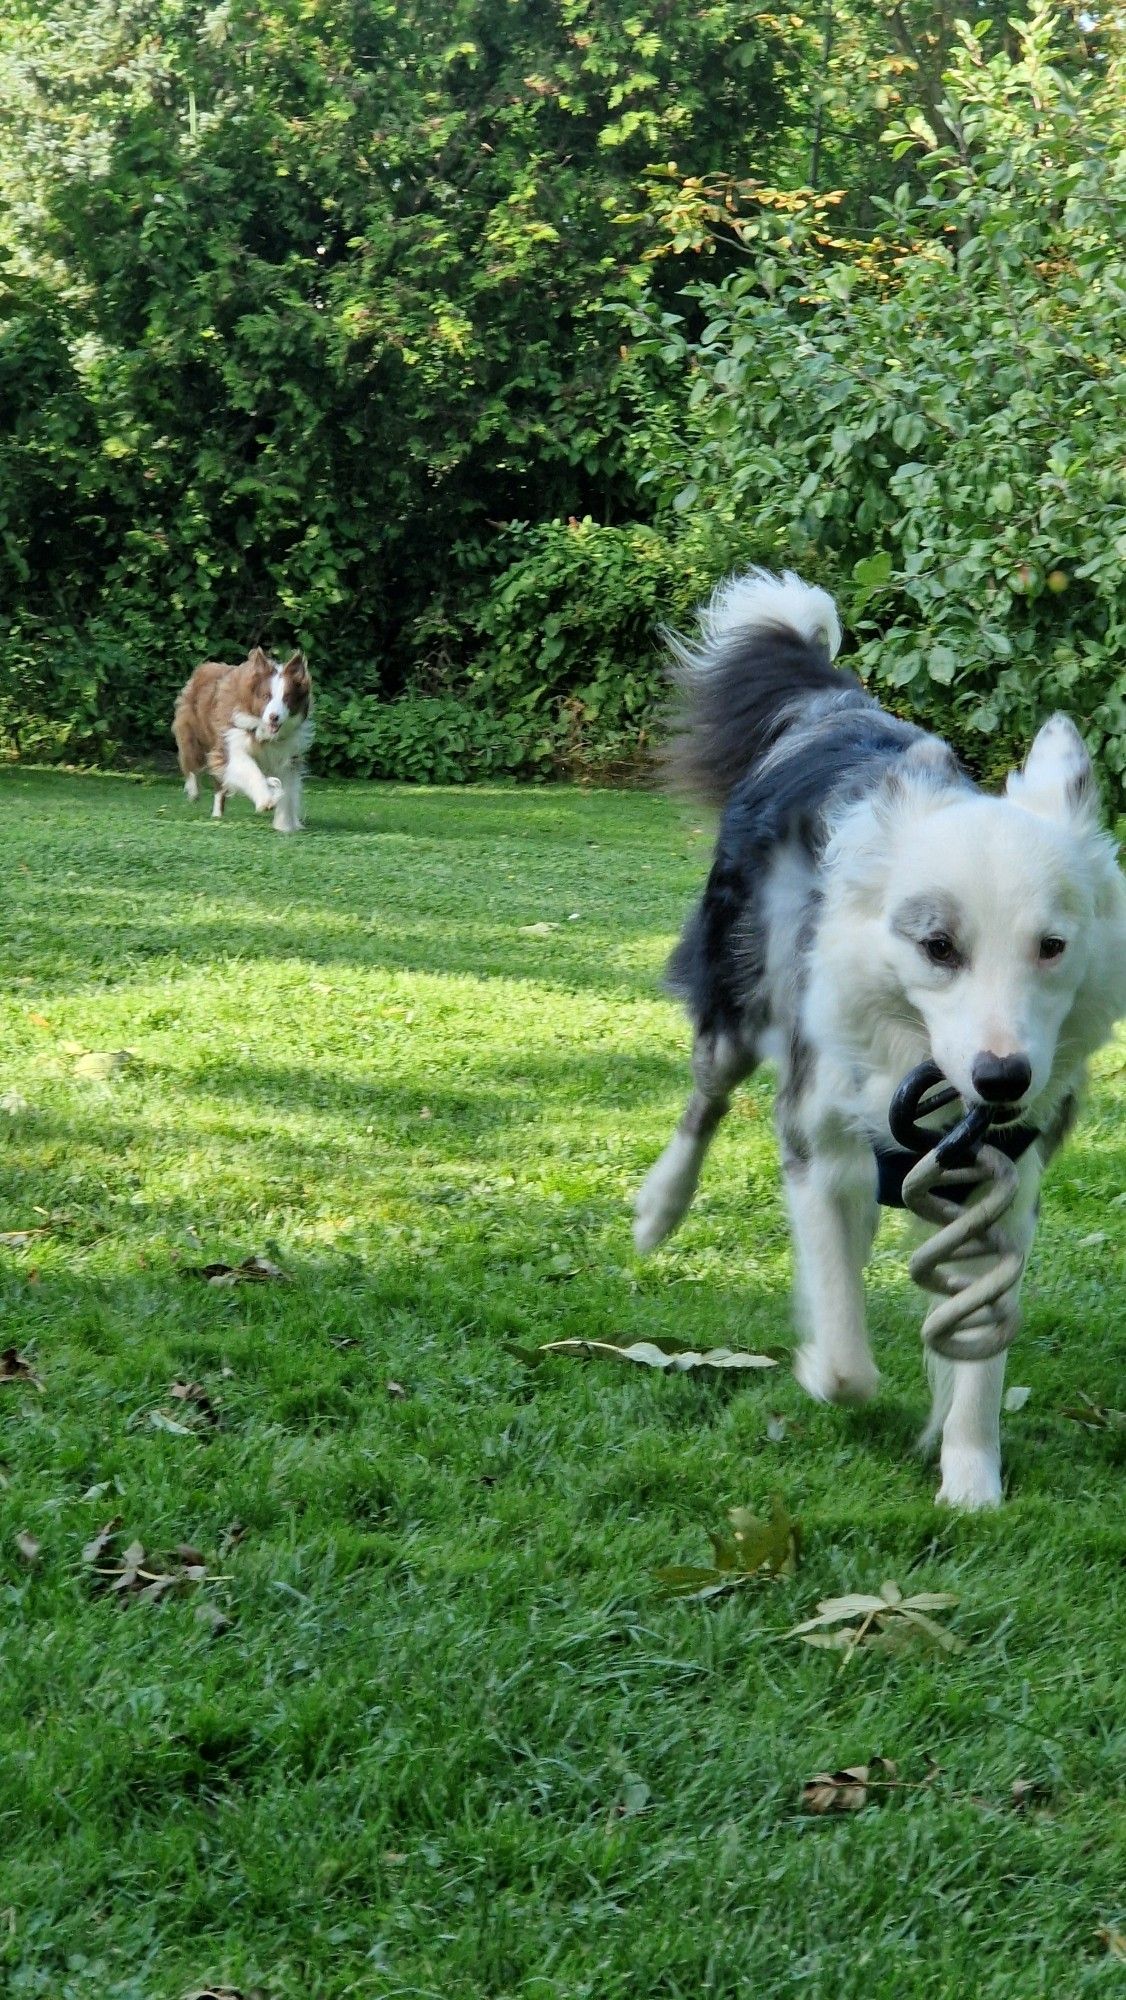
(453, 1741)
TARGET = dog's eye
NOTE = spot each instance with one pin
(1052, 947)
(940, 949)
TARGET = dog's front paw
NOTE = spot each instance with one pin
(830, 1382)
(274, 792)
(971, 1479)
(665, 1194)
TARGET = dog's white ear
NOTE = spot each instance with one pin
(1057, 781)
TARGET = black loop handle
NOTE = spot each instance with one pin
(957, 1148)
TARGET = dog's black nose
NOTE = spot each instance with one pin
(1000, 1079)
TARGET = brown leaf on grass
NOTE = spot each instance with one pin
(132, 1572)
(231, 1537)
(225, 1993)
(752, 1550)
(15, 1367)
(1026, 1792)
(847, 1790)
(195, 1394)
(397, 1392)
(29, 1546)
(887, 1623)
(100, 1064)
(18, 1239)
(1095, 1416)
(216, 1621)
(1114, 1941)
(95, 1549)
(161, 1422)
(673, 1357)
(252, 1271)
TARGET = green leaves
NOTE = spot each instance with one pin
(751, 1550)
(869, 576)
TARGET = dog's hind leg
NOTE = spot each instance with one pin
(719, 1062)
(219, 802)
(191, 786)
(832, 1202)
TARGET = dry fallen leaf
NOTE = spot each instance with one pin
(29, 1546)
(225, 1993)
(253, 1270)
(1114, 1940)
(160, 1422)
(133, 1572)
(196, 1395)
(216, 1621)
(1025, 1792)
(888, 1622)
(537, 930)
(101, 1064)
(396, 1391)
(1094, 1416)
(95, 1549)
(673, 1357)
(18, 1239)
(15, 1367)
(847, 1790)
(1016, 1398)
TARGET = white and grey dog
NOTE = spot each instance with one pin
(869, 909)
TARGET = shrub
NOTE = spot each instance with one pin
(936, 427)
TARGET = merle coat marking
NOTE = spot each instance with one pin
(868, 908)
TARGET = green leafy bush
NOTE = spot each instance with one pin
(935, 426)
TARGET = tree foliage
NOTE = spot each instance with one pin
(933, 420)
(322, 323)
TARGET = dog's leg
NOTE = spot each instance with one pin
(966, 1407)
(219, 802)
(242, 774)
(967, 1411)
(191, 786)
(832, 1201)
(718, 1064)
(287, 817)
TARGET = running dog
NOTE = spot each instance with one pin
(869, 909)
(250, 726)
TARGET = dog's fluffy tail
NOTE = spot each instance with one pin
(766, 648)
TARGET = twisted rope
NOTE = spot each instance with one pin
(975, 1317)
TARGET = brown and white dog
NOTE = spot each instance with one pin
(250, 726)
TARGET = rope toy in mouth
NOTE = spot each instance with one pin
(975, 1317)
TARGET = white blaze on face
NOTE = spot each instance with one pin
(275, 712)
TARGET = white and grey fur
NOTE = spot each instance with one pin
(869, 908)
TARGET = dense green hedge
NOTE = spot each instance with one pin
(391, 329)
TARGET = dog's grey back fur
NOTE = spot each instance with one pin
(781, 739)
